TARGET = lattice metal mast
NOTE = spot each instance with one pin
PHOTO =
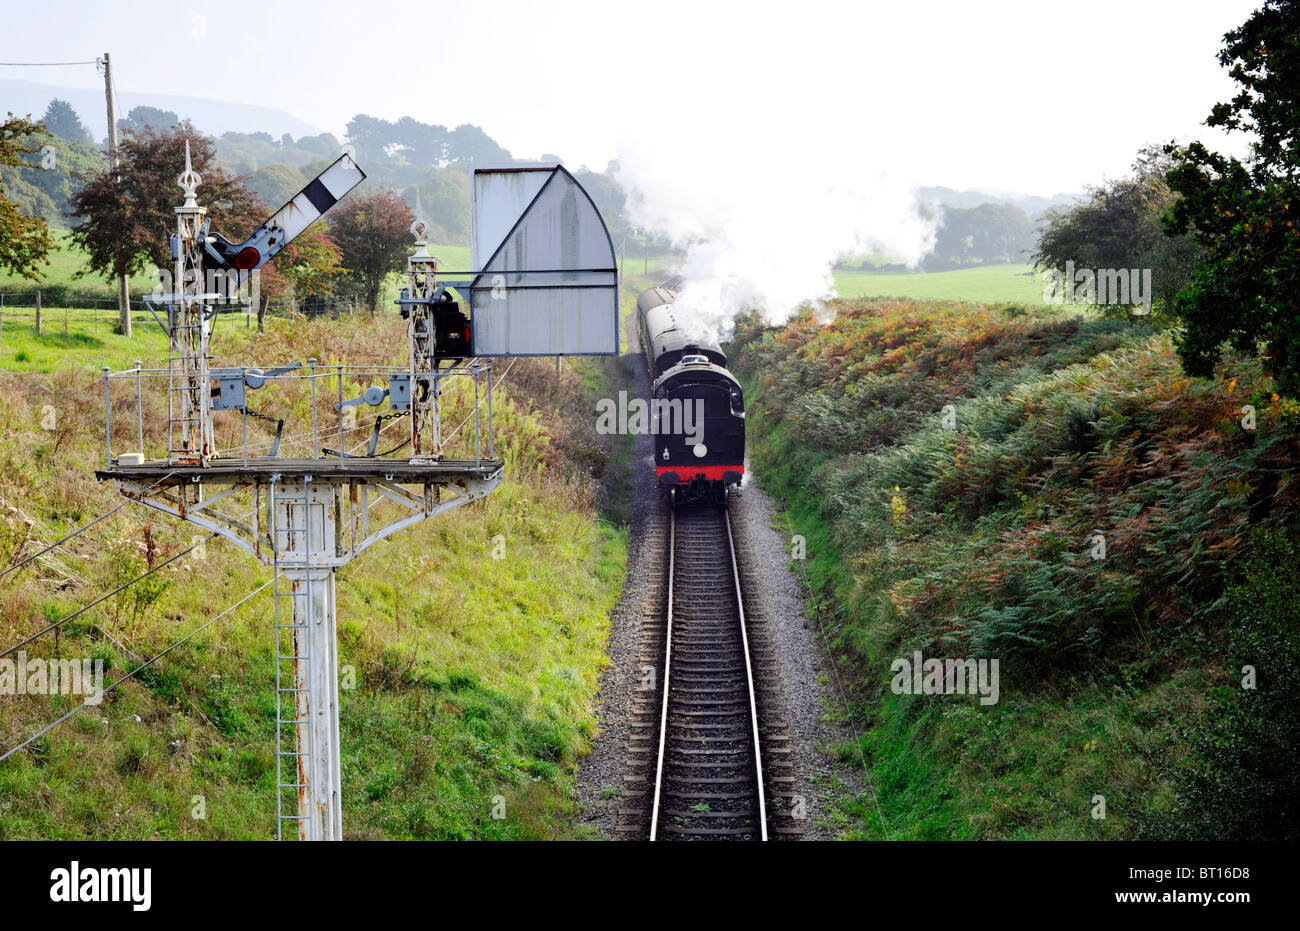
(549, 286)
(310, 515)
(189, 333)
(418, 302)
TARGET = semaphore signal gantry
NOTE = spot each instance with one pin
(300, 483)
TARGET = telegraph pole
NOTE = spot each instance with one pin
(123, 294)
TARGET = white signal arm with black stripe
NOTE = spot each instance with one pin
(285, 225)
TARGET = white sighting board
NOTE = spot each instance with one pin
(547, 282)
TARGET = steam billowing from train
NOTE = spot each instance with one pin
(764, 219)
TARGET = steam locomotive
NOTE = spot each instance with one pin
(697, 406)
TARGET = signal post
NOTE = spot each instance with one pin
(304, 508)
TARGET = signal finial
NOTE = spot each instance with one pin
(419, 228)
(189, 179)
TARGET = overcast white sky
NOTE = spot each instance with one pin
(1029, 97)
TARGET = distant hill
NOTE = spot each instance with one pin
(213, 117)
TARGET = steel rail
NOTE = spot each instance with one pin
(667, 672)
(749, 676)
(668, 655)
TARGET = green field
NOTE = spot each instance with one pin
(990, 284)
(451, 259)
(987, 284)
(65, 263)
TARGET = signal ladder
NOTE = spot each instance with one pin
(184, 365)
(294, 750)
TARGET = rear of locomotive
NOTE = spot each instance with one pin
(697, 406)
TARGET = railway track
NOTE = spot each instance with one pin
(705, 763)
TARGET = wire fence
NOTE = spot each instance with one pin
(31, 312)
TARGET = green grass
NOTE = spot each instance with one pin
(87, 342)
(989, 284)
(632, 263)
(451, 259)
(475, 676)
(65, 263)
(974, 540)
(84, 339)
(993, 284)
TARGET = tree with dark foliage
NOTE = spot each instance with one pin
(144, 117)
(43, 185)
(1119, 225)
(127, 216)
(986, 234)
(1246, 291)
(374, 236)
(1241, 777)
(307, 267)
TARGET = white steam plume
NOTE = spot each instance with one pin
(763, 216)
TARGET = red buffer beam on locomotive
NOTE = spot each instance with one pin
(696, 403)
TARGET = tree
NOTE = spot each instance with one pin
(470, 145)
(143, 117)
(275, 183)
(25, 241)
(408, 140)
(323, 146)
(370, 136)
(424, 144)
(374, 235)
(127, 216)
(311, 262)
(988, 233)
(445, 198)
(63, 121)
(245, 153)
(1119, 226)
(306, 267)
(44, 186)
(1246, 290)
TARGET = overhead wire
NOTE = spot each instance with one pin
(102, 598)
(45, 64)
(99, 695)
(77, 532)
(80, 530)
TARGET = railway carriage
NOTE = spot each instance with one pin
(694, 459)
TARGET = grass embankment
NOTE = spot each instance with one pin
(978, 535)
(475, 676)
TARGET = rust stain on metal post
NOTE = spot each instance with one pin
(302, 706)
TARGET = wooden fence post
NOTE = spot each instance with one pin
(38, 313)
